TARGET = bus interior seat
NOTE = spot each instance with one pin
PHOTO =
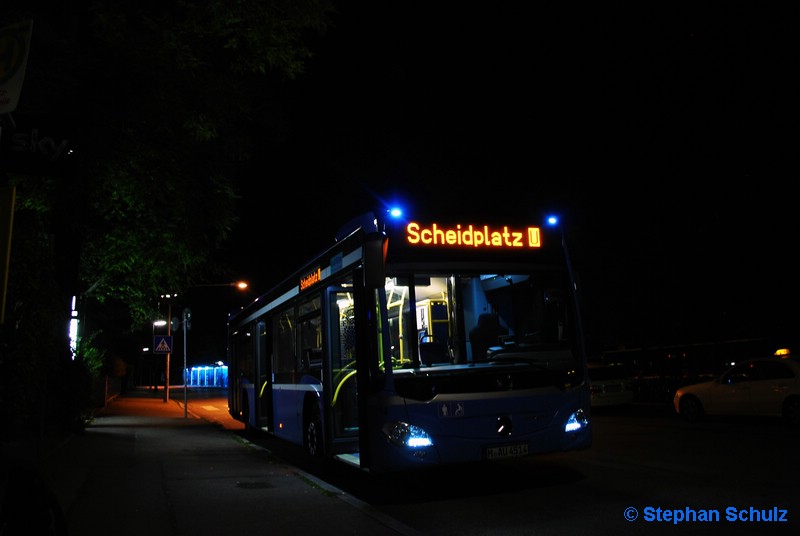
(312, 359)
(433, 352)
(485, 335)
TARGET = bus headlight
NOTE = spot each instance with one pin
(576, 421)
(407, 435)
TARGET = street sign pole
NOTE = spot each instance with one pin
(166, 373)
(186, 314)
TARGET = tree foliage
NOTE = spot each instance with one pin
(166, 102)
(163, 103)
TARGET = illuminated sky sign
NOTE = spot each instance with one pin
(309, 279)
(473, 236)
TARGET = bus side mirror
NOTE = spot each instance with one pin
(375, 247)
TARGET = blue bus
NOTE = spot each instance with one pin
(414, 343)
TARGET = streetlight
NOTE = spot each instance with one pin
(187, 316)
(241, 285)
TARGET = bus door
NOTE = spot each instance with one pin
(340, 391)
(263, 372)
(240, 376)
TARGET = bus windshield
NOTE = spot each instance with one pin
(504, 316)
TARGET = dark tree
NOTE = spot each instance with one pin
(152, 110)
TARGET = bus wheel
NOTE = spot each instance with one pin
(314, 433)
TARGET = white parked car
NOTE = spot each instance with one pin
(768, 387)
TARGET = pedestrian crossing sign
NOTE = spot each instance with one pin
(162, 344)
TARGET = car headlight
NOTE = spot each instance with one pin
(576, 421)
(407, 435)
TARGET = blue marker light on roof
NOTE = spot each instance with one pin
(396, 212)
(552, 221)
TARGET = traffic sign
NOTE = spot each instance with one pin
(162, 344)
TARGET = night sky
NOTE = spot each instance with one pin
(664, 135)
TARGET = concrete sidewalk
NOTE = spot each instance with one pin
(142, 468)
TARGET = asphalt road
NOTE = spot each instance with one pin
(645, 468)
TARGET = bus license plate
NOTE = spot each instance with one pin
(507, 451)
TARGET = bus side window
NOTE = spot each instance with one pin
(284, 346)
